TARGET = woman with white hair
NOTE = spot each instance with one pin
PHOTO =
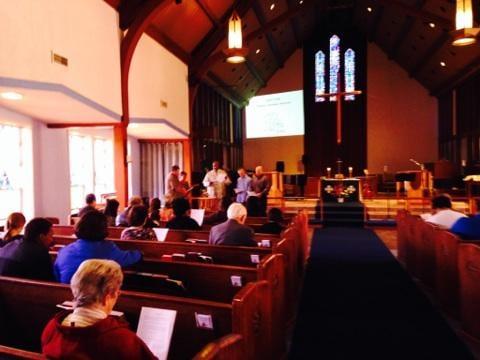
(90, 332)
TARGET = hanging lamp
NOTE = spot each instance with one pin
(235, 53)
(465, 33)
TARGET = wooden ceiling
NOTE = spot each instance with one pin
(414, 33)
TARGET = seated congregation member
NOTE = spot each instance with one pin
(91, 232)
(274, 224)
(139, 229)
(111, 211)
(13, 226)
(122, 218)
(154, 211)
(181, 219)
(468, 228)
(233, 231)
(90, 332)
(254, 206)
(442, 213)
(28, 257)
(219, 216)
(91, 203)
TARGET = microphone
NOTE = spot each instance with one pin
(416, 163)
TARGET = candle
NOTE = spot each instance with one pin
(329, 172)
(350, 171)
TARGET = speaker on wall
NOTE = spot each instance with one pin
(280, 166)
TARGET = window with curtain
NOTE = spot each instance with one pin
(14, 169)
(91, 168)
(156, 160)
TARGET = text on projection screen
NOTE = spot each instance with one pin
(275, 115)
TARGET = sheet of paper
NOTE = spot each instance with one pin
(197, 215)
(252, 193)
(161, 233)
(155, 328)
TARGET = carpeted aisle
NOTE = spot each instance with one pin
(359, 303)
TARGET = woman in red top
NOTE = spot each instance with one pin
(89, 332)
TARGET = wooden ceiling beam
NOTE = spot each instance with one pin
(226, 90)
(253, 70)
(406, 29)
(294, 24)
(470, 70)
(206, 9)
(70, 125)
(430, 53)
(211, 41)
(418, 13)
(377, 18)
(271, 41)
(169, 44)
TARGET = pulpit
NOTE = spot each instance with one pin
(416, 183)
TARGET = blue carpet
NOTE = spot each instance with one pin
(359, 303)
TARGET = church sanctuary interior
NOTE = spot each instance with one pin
(240, 179)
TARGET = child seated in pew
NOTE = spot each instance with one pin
(90, 332)
(14, 226)
(91, 232)
(442, 213)
(139, 228)
(28, 257)
(219, 216)
(154, 211)
(111, 211)
(181, 219)
(274, 224)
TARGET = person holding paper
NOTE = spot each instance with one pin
(90, 332)
(174, 187)
(215, 181)
(181, 219)
(243, 185)
(260, 187)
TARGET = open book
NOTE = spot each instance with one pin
(155, 328)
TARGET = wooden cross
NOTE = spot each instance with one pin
(340, 95)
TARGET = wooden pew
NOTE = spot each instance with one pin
(229, 347)
(26, 307)
(9, 353)
(446, 274)
(469, 276)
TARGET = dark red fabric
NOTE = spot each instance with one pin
(107, 339)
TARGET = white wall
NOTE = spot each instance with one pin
(156, 75)
(402, 116)
(85, 32)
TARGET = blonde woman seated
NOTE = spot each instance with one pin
(90, 332)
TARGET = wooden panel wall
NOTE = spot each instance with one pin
(459, 124)
(216, 131)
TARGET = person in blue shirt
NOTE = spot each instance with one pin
(91, 232)
(468, 228)
(243, 186)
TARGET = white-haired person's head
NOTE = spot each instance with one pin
(96, 284)
(259, 170)
(237, 211)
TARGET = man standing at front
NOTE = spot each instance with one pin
(215, 181)
(260, 185)
(243, 186)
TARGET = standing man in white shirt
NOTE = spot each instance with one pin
(216, 180)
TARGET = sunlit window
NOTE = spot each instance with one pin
(91, 168)
(15, 170)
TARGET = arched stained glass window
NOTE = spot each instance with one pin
(319, 76)
(349, 73)
(334, 65)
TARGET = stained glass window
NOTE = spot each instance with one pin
(319, 76)
(349, 73)
(334, 65)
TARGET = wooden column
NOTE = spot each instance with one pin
(120, 163)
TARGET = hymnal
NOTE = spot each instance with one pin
(155, 328)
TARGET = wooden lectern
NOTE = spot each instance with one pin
(276, 178)
(417, 183)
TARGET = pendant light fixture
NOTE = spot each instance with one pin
(465, 33)
(235, 52)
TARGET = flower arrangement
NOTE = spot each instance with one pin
(340, 191)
